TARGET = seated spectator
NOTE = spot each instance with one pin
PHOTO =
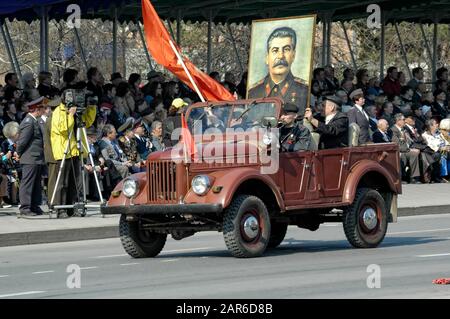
(409, 157)
(442, 74)
(426, 113)
(391, 85)
(406, 97)
(379, 102)
(444, 128)
(371, 110)
(116, 78)
(157, 137)
(70, 79)
(128, 144)
(123, 101)
(346, 106)
(419, 119)
(382, 134)
(442, 85)
(170, 92)
(402, 79)
(111, 151)
(10, 113)
(362, 80)
(347, 86)
(95, 82)
(106, 107)
(397, 103)
(427, 155)
(418, 94)
(330, 79)
(374, 84)
(30, 92)
(439, 144)
(11, 85)
(319, 77)
(45, 86)
(334, 131)
(134, 82)
(315, 97)
(11, 169)
(439, 109)
(348, 75)
(417, 78)
(387, 113)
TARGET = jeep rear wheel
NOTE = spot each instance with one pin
(246, 226)
(277, 233)
(138, 242)
(365, 221)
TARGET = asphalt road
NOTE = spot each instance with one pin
(308, 264)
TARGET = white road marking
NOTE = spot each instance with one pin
(186, 250)
(43, 272)
(129, 264)
(434, 255)
(168, 260)
(22, 294)
(86, 268)
(3, 276)
(331, 225)
(110, 256)
(419, 231)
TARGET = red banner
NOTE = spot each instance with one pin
(158, 43)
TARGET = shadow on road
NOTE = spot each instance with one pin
(294, 246)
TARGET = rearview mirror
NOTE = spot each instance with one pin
(269, 121)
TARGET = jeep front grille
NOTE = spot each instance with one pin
(162, 182)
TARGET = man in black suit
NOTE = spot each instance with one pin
(359, 116)
(409, 156)
(334, 132)
(30, 148)
(382, 134)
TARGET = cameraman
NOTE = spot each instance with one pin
(66, 119)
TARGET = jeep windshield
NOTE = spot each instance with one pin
(217, 118)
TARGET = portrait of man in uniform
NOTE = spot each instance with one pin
(286, 60)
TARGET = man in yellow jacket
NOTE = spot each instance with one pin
(62, 123)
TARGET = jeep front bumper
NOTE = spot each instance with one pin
(167, 209)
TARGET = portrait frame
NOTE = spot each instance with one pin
(302, 66)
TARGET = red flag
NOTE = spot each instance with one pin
(158, 44)
(190, 151)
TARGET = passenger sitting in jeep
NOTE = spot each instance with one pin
(293, 135)
(334, 132)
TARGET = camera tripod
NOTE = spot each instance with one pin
(78, 207)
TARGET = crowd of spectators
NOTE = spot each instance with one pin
(136, 117)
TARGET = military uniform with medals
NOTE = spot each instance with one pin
(294, 138)
(291, 90)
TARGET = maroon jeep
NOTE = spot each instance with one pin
(238, 183)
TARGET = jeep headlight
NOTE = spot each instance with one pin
(130, 187)
(201, 184)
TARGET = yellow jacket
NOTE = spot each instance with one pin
(62, 124)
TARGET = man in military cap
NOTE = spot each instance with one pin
(293, 135)
(281, 48)
(30, 148)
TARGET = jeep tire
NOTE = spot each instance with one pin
(140, 243)
(246, 227)
(365, 220)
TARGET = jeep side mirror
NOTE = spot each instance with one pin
(269, 121)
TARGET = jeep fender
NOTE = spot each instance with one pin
(230, 180)
(358, 171)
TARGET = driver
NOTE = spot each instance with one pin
(293, 135)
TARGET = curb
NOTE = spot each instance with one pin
(90, 233)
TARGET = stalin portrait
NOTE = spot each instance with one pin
(281, 48)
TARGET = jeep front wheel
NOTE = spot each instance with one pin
(246, 226)
(365, 220)
(138, 242)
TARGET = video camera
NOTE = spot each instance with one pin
(79, 98)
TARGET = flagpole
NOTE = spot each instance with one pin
(187, 71)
